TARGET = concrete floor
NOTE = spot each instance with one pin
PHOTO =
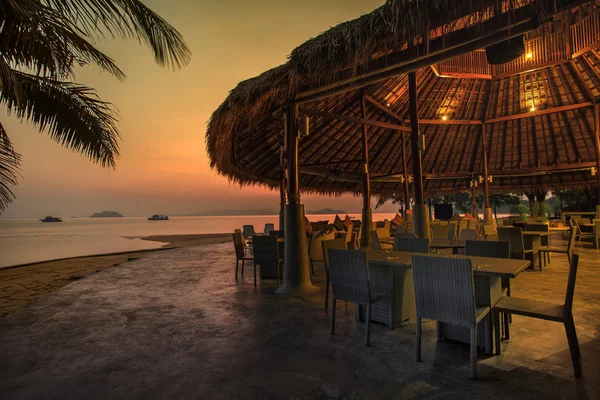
(175, 325)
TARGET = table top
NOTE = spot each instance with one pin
(447, 244)
(486, 266)
(536, 233)
(559, 228)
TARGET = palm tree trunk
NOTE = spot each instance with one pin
(495, 212)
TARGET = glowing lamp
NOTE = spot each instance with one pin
(529, 56)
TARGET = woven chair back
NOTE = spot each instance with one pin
(439, 232)
(572, 238)
(266, 251)
(491, 237)
(248, 230)
(462, 224)
(339, 244)
(238, 244)
(444, 289)
(412, 245)
(488, 229)
(405, 235)
(451, 230)
(571, 284)
(487, 249)
(349, 274)
(468, 234)
(514, 236)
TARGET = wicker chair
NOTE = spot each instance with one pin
(514, 236)
(248, 231)
(568, 250)
(491, 237)
(339, 244)
(548, 311)
(462, 225)
(376, 244)
(349, 271)
(240, 254)
(279, 234)
(412, 245)
(266, 255)
(575, 223)
(269, 228)
(406, 235)
(488, 229)
(468, 234)
(451, 230)
(444, 292)
(439, 232)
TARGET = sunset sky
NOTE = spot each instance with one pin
(163, 166)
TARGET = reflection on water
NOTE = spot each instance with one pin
(24, 241)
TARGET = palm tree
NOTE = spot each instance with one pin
(41, 43)
(501, 200)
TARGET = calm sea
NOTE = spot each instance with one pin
(25, 241)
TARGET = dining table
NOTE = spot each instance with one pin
(392, 270)
(532, 240)
(438, 244)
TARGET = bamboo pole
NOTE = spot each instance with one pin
(420, 217)
(365, 239)
(406, 189)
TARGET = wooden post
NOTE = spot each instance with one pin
(474, 201)
(365, 239)
(406, 191)
(296, 274)
(420, 217)
(282, 179)
(487, 210)
(597, 137)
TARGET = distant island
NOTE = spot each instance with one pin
(106, 214)
(327, 211)
(236, 213)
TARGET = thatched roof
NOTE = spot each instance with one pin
(551, 147)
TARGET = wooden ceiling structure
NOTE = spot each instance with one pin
(535, 118)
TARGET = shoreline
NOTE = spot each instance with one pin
(26, 283)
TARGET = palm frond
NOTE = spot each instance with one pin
(10, 162)
(73, 114)
(127, 18)
(41, 41)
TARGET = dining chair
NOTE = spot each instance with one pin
(339, 244)
(266, 255)
(547, 311)
(269, 228)
(495, 249)
(277, 233)
(488, 229)
(412, 245)
(248, 231)
(444, 292)
(451, 230)
(468, 234)
(581, 233)
(240, 254)
(439, 232)
(462, 225)
(596, 233)
(376, 245)
(491, 237)
(406, 235)
(562, 250)
(349, 271)
(514, 236)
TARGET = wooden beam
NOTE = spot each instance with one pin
(539, 112)
(356, 120)
(465, 40)
(325, 163)
(529, 69)
(450, 122)
(459, 75)
(385, 109)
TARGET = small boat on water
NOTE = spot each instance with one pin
(158, 217)
(51, 219)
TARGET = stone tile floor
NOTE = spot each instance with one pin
(175, 325)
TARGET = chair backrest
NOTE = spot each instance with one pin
(487, 229)
(266, 250)
(539, 228)
(491, 237)
(571, 283)
(412, 245)
(468, 234)
(439, 231)
(238, 244)
(462, 224)
(375, 241)
(406, 235)
(339, 244)
(444, 289)
(572, 238)
(349, 272)
(279, 234)
(451, 230)
(597, 227)
(487, 249)
(248, 230)
(514, 236)
(384, 231)
(240, 232)
(269, 228)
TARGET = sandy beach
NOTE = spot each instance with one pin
(23, 284)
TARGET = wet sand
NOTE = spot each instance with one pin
(23, 284)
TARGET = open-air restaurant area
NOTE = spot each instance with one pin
(416, 101)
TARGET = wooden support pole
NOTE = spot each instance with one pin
(282, 179)
(420, 217)
(365, 240)
(406, 191)
(296, 273)
(487, 210)
(597, 137)
(474, 201)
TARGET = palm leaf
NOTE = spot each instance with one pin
(10, 162)
(72, 114)
(127, 18)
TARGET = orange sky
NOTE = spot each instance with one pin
(163, 166)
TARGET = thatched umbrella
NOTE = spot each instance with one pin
(406, 94)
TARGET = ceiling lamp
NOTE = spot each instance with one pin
(529, 56)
